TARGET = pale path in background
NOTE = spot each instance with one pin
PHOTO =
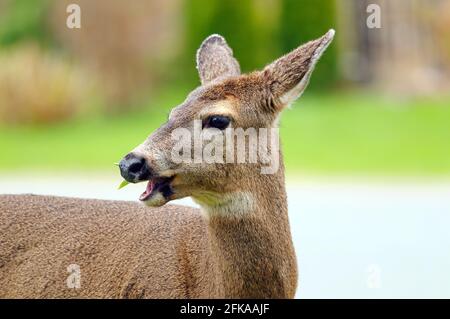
(361, 239)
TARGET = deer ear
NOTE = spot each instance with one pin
(288, 76)
(215, 60)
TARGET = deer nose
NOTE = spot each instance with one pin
(134, 168)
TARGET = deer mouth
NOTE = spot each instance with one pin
(157, 185)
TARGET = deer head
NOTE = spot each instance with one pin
(225, 100)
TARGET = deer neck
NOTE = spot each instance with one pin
(251, 240)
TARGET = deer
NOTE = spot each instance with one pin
(237, 244)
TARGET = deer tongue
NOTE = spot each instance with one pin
(148, 190)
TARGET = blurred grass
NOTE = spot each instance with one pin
(321, 134)
(368, 134)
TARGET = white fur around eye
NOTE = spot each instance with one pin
(222, 108)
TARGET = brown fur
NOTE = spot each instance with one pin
(124, 249)
(238, 245)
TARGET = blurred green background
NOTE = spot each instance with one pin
(79, 99)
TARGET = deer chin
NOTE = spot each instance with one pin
(159, 191)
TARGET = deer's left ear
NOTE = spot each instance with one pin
(215, 60)
(288, 76)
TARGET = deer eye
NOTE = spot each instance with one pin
(217, 121)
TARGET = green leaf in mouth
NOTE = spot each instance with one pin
(123, 184)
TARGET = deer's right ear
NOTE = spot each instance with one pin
(215, 60)
(288, 76)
